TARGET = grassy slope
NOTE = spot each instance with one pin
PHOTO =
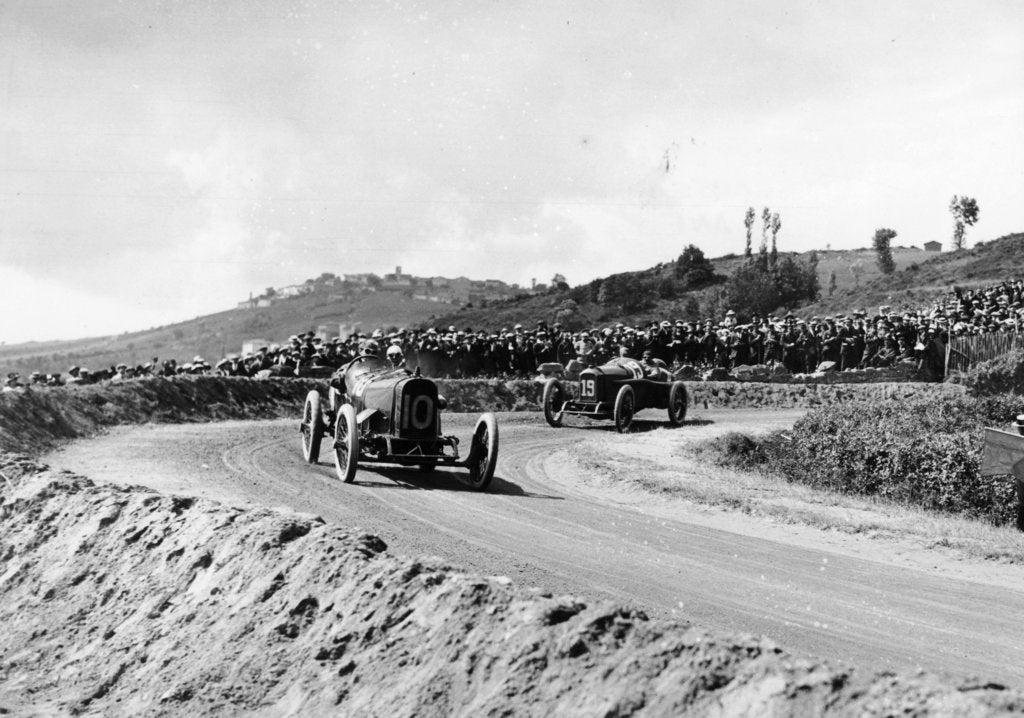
(920, 277)
(213, 335)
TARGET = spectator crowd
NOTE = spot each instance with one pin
(857, 340)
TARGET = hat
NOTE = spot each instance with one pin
(394, 350)
(730, 313)
(666, 324)
(377, 334)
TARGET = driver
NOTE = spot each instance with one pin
(652, 365)
(395, 357)
(337, 381)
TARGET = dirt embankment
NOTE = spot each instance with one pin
(37, 419)
(34, 420)
(126, 602)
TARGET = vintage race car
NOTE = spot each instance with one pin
(384, 415)
(617, 390)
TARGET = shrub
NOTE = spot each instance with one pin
(1002, 375)
(733, 450)
(920, 452)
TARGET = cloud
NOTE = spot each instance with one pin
(179, 156)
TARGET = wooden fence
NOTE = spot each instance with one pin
(963, 352)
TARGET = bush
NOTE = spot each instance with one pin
(920, 452)
(1002, 375)
(732, 450)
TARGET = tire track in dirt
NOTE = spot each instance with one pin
(545, 525)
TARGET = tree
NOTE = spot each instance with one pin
(882, 244)
(965, 214)
(612, 291)
(568, 315)
(752, 290)
(694, 268)
(748, 222)
(776, 226)
(762, 251)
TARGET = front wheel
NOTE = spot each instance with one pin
(483, 452)
(312, 427)
(553, 401)
(346, 444)
(677, 401)
(625, 407)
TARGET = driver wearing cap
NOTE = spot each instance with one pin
(396, 359)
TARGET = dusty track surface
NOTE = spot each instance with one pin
(547, 523)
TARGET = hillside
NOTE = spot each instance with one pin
(920, 277)
(214, 335)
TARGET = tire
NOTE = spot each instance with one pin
(428, 467)
(553, 401)
(483, 452)
(346, 444)
(625, 407)
(677, 401)
(312, 427)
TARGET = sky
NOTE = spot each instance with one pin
(163, 160)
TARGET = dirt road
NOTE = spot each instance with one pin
(548, 523)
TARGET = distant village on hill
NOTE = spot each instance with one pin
(459, 291)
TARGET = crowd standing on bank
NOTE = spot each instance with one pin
(857, 340)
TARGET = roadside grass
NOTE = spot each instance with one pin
(685, 473)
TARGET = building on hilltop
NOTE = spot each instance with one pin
(396, 280)
(360, 280)
(293, 290)
(933, 246)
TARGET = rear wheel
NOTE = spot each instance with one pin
(346, 444)
(677, 401)
(483, 452)
(553, 401)
(625, 407)
(312, 427)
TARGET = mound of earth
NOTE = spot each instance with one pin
(124, 602)
(37, 419)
